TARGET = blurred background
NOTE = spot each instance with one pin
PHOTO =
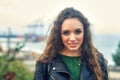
(24, 25)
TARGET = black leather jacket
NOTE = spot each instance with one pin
(56, 70)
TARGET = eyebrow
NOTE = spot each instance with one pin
(78, 29)
(75, 29)
(64, 30)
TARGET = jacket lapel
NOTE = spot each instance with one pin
(86, 74)
(57, 64)
(57, 67)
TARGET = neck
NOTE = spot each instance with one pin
(70, 53)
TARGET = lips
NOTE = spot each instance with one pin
(73, 45)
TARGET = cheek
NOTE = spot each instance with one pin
(81, 37)
(64, 39)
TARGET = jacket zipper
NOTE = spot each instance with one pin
(71, 78)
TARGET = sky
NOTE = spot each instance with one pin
(104, 15)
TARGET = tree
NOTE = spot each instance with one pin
(116, 55)
(8, 64)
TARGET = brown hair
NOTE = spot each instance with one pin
(55, 45)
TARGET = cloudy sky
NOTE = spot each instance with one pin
(103, 14)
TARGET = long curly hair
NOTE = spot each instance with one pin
(54, 43)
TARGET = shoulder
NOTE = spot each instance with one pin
(40, 66)
(101, 58)
(102, 61)
(40, 71)
(39, 63)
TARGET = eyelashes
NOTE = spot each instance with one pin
(67, 32)
(78, 31)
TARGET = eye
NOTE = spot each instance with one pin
(66, 32)
(78, 31)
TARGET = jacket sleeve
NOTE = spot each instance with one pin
(105, 69)
(104, 66)
(39, 71)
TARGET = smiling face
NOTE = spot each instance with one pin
(72, 34)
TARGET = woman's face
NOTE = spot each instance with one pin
(72, 34)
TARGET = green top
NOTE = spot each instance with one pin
(74, 65)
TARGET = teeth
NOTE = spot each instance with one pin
(73, 45)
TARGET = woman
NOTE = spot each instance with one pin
(69, 53)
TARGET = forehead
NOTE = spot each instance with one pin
(71, 23)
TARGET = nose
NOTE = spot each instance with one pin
(72, 37)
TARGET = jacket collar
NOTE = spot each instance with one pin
(59, 66)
